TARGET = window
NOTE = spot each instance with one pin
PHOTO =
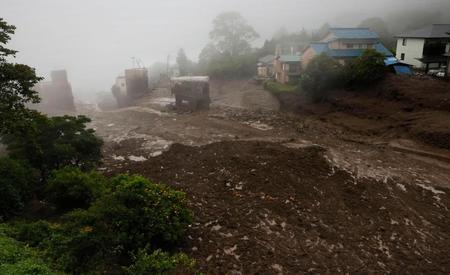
(349, 46)
(404, 41)
(402, 56)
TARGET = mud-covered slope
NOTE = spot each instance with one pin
(397, 107)
(265, 208)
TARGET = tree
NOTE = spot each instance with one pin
(17, 183)
(184, 64)
(322, 74)
(56, 142)
(232, 34)
(366, 69)
(16, 86)
(69, 188)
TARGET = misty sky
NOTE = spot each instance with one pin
(95, 39)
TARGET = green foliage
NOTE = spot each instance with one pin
(140, 212)
(17, 183)
(276, 87)
(70, 188)
(77, 249)
(56, 142)
(18, 259)
(224, 66)
(322, 74)
(366, 69)
(159, 263)
(34, 234)
(229, 55)
(232, 34)
(16, 83)
(136, 214)
(185, 65)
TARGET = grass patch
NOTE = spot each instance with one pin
(16, 258)
(276, 87)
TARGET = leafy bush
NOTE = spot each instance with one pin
(226, 66)
(366, 69)
(139, 212)
(161, 263)
(322, 74)
(76, 249)
(70, 188)
(17, 259)
(17, 182)
(56, 142)
(32, 233)
(135, 214)
(276, 87)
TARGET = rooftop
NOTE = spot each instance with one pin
(353, 33)
(431, 31)
(290, 58)
(321, 47)
(267, 59)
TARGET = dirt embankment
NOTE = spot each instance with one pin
(265, 208)
(397, 107)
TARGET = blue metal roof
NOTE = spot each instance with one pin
(403, 70)
(354, 33)
(382, 49)
(320, 48)
(290, 58)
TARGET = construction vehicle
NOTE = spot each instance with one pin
(194, 90)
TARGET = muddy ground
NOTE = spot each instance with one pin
(289, 193)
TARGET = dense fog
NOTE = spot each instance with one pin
(95, 40)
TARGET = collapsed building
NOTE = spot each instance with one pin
(132, 86)
(56, 95)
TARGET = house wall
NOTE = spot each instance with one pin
(307, 56)
(357, 44)
(262, 71)
(412, 50)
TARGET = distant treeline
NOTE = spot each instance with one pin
(230, 54)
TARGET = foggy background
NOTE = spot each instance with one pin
(94, 40)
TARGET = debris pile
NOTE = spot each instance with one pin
(263, 206)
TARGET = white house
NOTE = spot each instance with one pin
(425, 48)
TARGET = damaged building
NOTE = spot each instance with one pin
(133, 85)
(56, 95)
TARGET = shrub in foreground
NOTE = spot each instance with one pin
(135, 214)
(161, 263)
(70, 188)
(17, 182)
(19, 259)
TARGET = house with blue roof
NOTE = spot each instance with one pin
(343, 44)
